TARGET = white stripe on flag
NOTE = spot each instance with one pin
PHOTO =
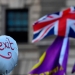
(56, 28)
(63, 50)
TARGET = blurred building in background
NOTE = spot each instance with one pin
(16, 19)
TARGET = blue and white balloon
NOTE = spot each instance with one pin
(8, 54)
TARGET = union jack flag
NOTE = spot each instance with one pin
(61, 23)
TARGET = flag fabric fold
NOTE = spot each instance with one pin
(52, 60)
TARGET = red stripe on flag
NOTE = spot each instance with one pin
(62, 27)
(42, 25)
(63, 23)
(65, 12)
(44, 33)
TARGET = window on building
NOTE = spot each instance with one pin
(17, 24)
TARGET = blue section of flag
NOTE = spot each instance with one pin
(51, 31)
(71, 33)
(57, 13)
(35, 35)
(74, 8)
